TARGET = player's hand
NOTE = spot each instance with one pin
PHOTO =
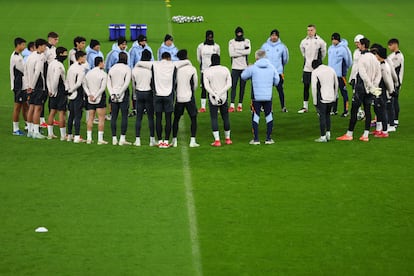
(29, 90)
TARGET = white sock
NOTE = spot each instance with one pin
(328, 133)
(379, 126)
(305, 104)
(42, 120)
(89, 135)
(36, 128)
(122, 138)
(15, 126)
(193, 140)
(77, 138)
(30, 127)
(138, 140)
(240, 105)
(366, 133)
(63, 132)
(152, 140)
(323, 137)
(50, 130)
(396, 122)
(216, 135)
(350, 133)
(227, 134)
(100, 135)
(114, 139)
(174, 140)
(203, 103)
(232, 105)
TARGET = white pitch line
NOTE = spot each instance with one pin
(188, 183)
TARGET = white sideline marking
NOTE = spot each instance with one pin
(189, 196)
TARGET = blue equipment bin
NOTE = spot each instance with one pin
(116, 31)
(137, 30)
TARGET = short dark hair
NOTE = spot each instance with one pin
(312, 25)
(365, 41)
(146, 55)
(182, 54)
(40, 42)
(18, 41)
(393, 41)
(165, 55)
(31, 44)
(215, 59)
(60, 50)
(123, 58)
(316, 63)
(98, 60)
(52, 35)
(79, 54)
(121, 40)
(78, 39)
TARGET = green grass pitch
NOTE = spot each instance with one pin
(292, 208)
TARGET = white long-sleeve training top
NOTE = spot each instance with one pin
(74, 78)
(204, 53)
(119, 77)
(164, 73)
(187, 82)
(311, 48)
(387, 78)
(324, 81)
(55, 72)
(34, 71)
(95, 84)
(369, 70)
(16, 70)
(354, 68)
(217, 80)
(142, 76)
(239, 52)
(397, 59)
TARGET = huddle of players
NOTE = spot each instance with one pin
(147, 77)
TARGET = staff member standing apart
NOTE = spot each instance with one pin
(217, 80)
(312, 47)
(75, 77)
(264, 76)
(239, 50)
(324, 93)
(278, 55)
(204, 52)
(119, 77)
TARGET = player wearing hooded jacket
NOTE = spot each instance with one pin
(56, 84)
(368, 77)
(16, 82)
(312, 47)
(93, 51)
(169, 47)
(239, 50)
(217, 80)
(278, 55)
(113, 56)
(340, 59)
(119, 77)
(204, 52)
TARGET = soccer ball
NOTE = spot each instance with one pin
(360, 115)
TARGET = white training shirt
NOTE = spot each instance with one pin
(310, 47)
(75, 77)
(95, 84)
(187, 82)
(55, 72)
(119, 77)
(217, 80)
(326, 77)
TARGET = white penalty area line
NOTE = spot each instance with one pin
(188, 183)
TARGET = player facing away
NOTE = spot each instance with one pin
(324, 82)
(119, 77)
(312, 47)
(16, 82)
(141, 84)
(217, 81)
(164, 77)
(75, 77)
(397, 59)
(56, 85)
(94, 87)
(35, 81)
(186, 85)
(340, 59)
(278, 54)
(264, 76)
(368, 77)
(204, 52)
(239, 50)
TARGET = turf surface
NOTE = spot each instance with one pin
(293, 208)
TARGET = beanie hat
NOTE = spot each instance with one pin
(209, 34)
(336, 36)
(238, 30)
(168, 37)
(274, 32)
(142, 38)
(94, 43)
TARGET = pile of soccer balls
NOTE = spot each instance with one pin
(187, 19)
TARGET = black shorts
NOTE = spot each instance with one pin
(306, 77)
(101, 104)
(60, 102)
(20, 96)
(38, 97)
(164, 103)
(190, 106)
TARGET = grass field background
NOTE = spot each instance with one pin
(292, 208)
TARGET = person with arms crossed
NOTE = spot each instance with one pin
(264, 76)
(312, 47)
(397, 59)
(217, 81)
(16, 82)
(278, 55)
